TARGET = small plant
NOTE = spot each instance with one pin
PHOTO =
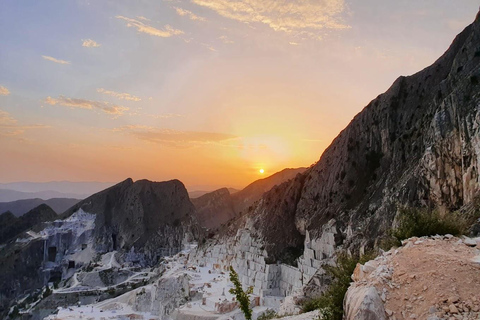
(111, 291)
(47, 292)
(267, 315)
(243, 297)
(330, 303)
(415, 222)
(389, 241)
(15, 313)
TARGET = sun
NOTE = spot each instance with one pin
(261, 171)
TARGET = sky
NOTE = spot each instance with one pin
(205, 91)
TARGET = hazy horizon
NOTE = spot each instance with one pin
(86, 187)
(204, 91)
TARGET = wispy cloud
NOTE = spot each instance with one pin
(89, 43)
(165, 116)
(87, 104)
(55, 60)
(143, 18)
(189, 14)
(226, 40)
(287, 16)
(4, 91)
(175, 138)
(209, 47)
(6, 118)
(9, 126)
(119, 95)
(167, 31)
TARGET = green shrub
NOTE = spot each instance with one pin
(111, 291)
(15, 313)
(267, 315)
(243, 297)
(389, 241)
(330, 303)
(419, 222)
(47, 292)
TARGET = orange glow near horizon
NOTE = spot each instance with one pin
(141, 91)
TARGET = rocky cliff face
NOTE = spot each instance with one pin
(417, 144)
(148, 217)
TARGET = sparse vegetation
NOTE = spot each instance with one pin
(15, 313)
(111, 291)
(389, 241)
(267, 315)
(330, 303)
(243, 297)
(419, 222)
(47, 292)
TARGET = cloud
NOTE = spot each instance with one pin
(145, 28)
(209, 47)
(6, 118)
(119, 95)
(143, 18)
(87, 104)
(4, 91)
(286, 16)
(175, 138)
(89, 43)
(165, 116)
(226, 40)
(189, 14)
(55, 60)
(9, 126)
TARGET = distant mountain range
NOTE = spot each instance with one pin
(7, 195)
(20, 207)
(199, 193)
(218, 207)
(46, 190)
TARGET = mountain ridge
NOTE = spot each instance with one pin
(220, 206)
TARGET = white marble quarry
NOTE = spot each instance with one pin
(246, 254)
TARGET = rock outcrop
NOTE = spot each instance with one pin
(427, 278)
(152, 218)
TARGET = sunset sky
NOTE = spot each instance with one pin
(205, 91)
